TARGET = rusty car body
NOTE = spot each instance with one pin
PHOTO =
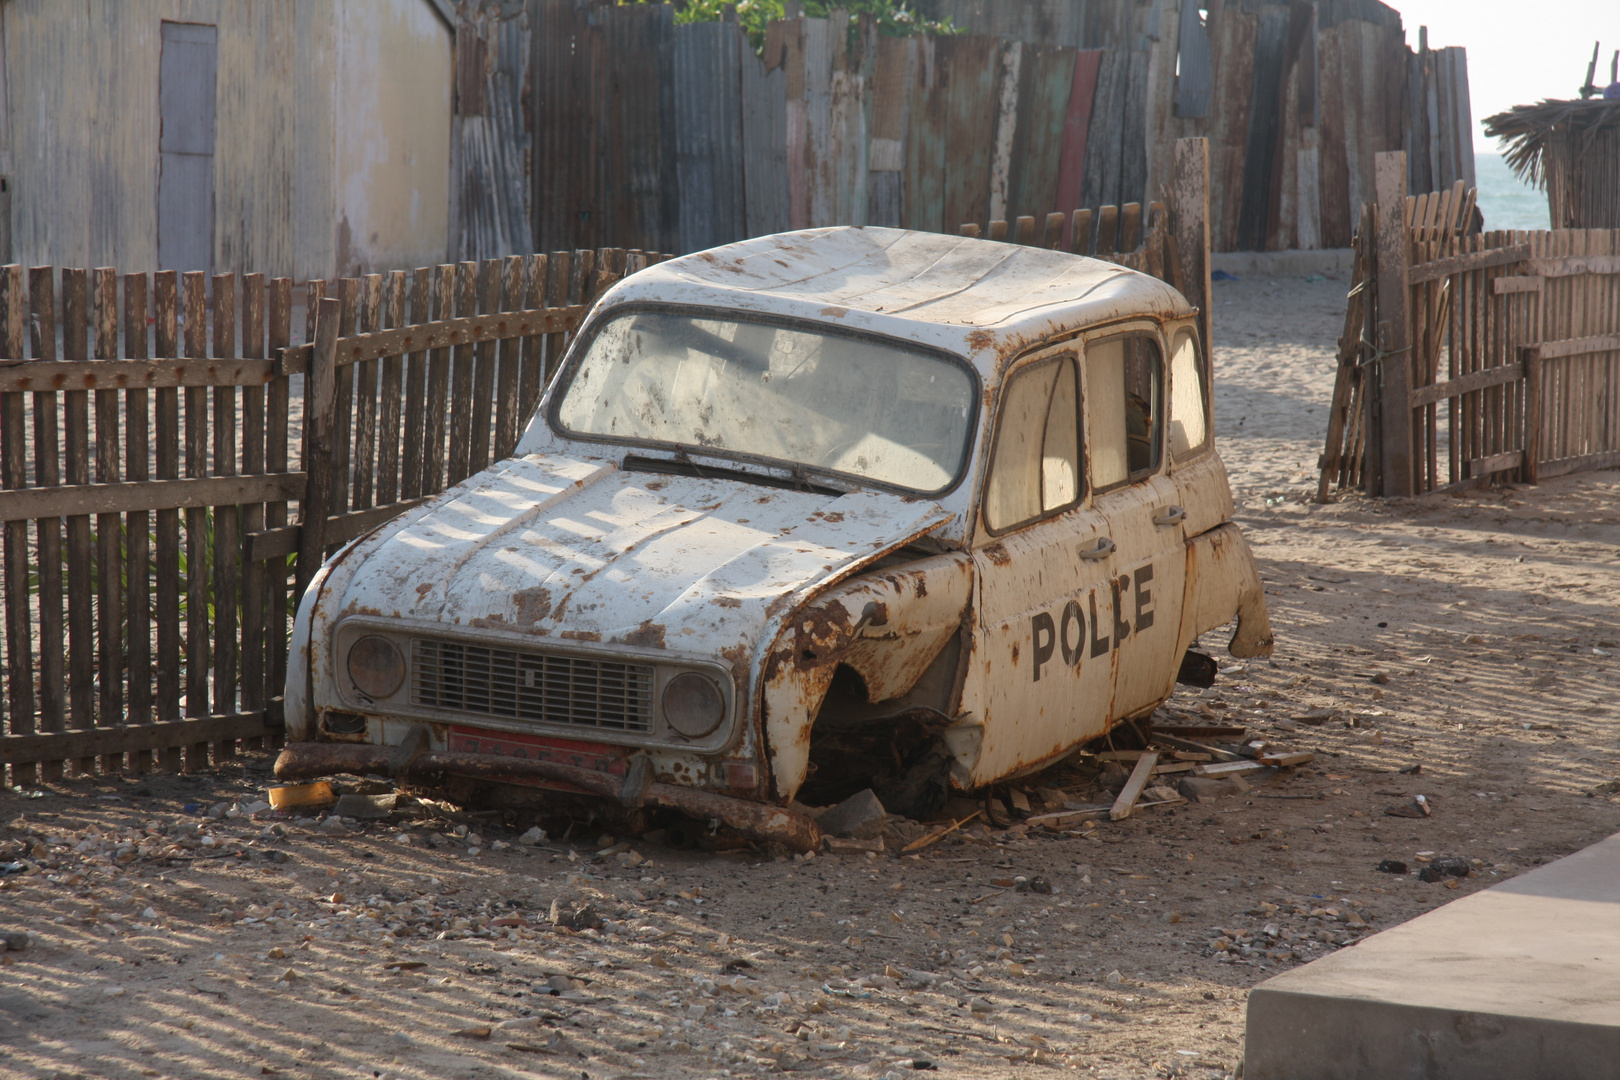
(797, 516)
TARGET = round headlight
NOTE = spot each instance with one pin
(693, 704)
(376, 666)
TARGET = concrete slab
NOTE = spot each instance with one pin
(1519, 980)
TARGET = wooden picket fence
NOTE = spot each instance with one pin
(1468, 356)
(157, 531)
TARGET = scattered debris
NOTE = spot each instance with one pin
(862, 812)
(1451, 866)
(1391, 866)
(365, 807)
(575, 917)
(317, 794)
(1417, 808)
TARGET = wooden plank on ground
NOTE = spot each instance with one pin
(1140, 775)
(1228, 768)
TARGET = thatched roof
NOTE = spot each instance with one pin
(1525, 129)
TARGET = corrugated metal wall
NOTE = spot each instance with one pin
(82, 82)
(1044, 105)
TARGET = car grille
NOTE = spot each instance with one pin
(543, 687)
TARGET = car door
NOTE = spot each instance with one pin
(1041, 671)
(1125, 414)
(1195, 468)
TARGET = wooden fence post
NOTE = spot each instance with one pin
(1395, 368)
(321, 393)
(1189, 209)
(1531, 355)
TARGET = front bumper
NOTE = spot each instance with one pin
(301, 761)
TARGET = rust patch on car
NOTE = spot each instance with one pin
(423, 589)
(489, 622)
(981, 340)
(834, 312)
(533, 604)
(835, 517)
(997, 553)
(649, 634)
(654, 485)
(920, 585)
(581, 635)
(727, 601)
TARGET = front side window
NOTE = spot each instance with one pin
(1124, 406)
(1189, 408)
(1035, 470)
(812, 398)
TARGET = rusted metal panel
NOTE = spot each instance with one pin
(969, 68)
(764, 144)
(1046, 78)
(708, 135)
(636, 128)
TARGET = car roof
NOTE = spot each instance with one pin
(981, 298)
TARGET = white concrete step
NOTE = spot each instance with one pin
(1521, 980)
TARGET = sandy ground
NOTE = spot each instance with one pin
(1471, 636)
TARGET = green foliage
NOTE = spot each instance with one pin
(896, 18)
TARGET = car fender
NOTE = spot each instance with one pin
(887, 625)
(1223, 581)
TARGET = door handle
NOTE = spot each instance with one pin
(1103, 549)
(1170, 515)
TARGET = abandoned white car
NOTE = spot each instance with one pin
(799, 516)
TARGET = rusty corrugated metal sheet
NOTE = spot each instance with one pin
(708, 136)
(636, 118)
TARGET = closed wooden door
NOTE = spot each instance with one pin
(186, 146)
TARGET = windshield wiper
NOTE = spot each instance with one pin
(685, 466)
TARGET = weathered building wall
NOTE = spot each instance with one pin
(392, 164)
(312, 129)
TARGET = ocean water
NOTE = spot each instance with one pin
(1506, 202)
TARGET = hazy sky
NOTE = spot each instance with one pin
(1519, 51)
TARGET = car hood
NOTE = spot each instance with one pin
(583, 551)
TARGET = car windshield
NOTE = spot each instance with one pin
(825, 400)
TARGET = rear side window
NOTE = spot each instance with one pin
(1124, 408)
(1189, 403)
(1035, 470)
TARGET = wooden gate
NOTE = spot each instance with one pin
(156, 529)
(1468, 356)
